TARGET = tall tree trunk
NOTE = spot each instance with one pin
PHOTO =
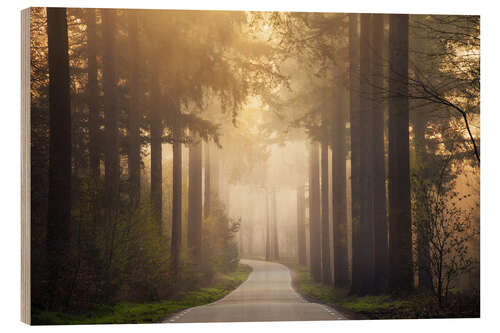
(401, 276)
(268, 229)
(301, 228)
(325, 220)
(378, 148)
(111, 135)
(176, 204)
(195, 200)
(215, 172)
(156, 150)
(341, 265)
(208, 181)
(366, 173)
(134, 114)
(355, 129)
(93, 95)
(59, 197)
(275, 242)
(314, 213)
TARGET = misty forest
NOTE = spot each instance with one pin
(168, 145)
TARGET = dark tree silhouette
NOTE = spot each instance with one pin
(326, 276)
(355, 136)
(401, 277)
(378, 148)
(314, 213)
(59, 203)
(134, 114)
(195, 200)
(301, 228)
(341, 260)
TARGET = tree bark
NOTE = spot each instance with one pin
(59, 196)
(208, 182)
(111, 134)
(156, 150)
(325, 220)
(301, 228)
(341, 265)
(366, 227)
(378, 148)
(93, 95)
(268, 229)
(275, 242)
(176, 205)
(401, 276)
(314, 213)
(195, 200)
(355, 133)
(134, 146)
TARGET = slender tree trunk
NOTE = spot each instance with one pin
(314, 213)
(268, 229)
(208, 181)
(134, 158)
(366, 227)
(59, 201)
(401, 276)
(215, 173)
(325, 220)
(275, 243)
(195, 200)
(93, 94)
(156, 150)
(339, 187)
(301, 228)
(378, 148)
(176, 204)
(111, 134)
(355, 127)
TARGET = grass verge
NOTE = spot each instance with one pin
(415, 305)
(135, 313)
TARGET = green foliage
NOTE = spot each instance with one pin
(126, 312)
(416, 305)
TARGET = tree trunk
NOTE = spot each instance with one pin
(156, 151)
(176, 205)
(134, 146)
(341, 265)
(401, 277)
(301, 228)
(93, 96)
(111, 134)
(275, 242)
(314, 213)
(378, 148)
(355, 127)
(366, 227)
(325, 220)
(59, 196)
(195, 200)
(268, 229)
(208, 181)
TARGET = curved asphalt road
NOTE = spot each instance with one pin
(267, 295)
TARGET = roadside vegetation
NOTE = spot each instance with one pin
(384, 306)
(126, 312)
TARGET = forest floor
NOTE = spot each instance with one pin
(135, 313)
(385, 306)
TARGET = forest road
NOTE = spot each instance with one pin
(267, 295)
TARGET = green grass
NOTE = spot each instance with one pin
(416, 305)
(128, 313)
